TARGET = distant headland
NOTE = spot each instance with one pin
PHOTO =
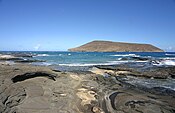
(109, 46)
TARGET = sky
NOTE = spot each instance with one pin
(56, 25)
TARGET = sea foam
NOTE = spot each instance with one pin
(165, 62)
(169, 54)
(125, 55)
(43, 55)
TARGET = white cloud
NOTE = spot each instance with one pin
(170, 49)
(37, 47)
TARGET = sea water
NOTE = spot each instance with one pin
(102, 58)
(69, 61)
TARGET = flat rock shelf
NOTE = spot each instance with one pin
(26, 89)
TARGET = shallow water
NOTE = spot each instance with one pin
(149, 83)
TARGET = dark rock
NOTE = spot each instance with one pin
(112, 99)
(11, 59)
(155, 72)
(106, 67)
(162, 91)
(160, 72)
(137, 58)
(116, 68)
(28, 61)
(56, 70)
(140, 58)
(125, 58)
(22, 55)
(173, 76)
(132, 102)
(25, 76)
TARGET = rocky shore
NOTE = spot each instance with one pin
(26, 89)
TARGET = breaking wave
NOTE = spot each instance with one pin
(164, 62)
(169, 54)
(43, 55)
(125, 55)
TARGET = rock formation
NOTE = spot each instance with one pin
(36, 89)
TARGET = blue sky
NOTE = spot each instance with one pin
(62, 24)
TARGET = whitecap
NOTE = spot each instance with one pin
(168, 62)
(165, 62)
(126, 61)
(125, 55)
(76, 64)
(95, 64)
(168, 58)
(119, 59)
(92, 64)
(169, 54)
(43, 55)
(169, 87)
(43, 64)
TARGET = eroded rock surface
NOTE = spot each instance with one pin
(28, 89)
(138, 71)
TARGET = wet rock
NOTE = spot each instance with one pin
(155, 72)
(28, 61)
(140, 58)
(106, 71)
(106, 67)
(136, 58)
(162, 91)
(160, 72)
(124, 58)
(56, 70)
(112, 99)
(22, 55)
(18, 58)
(136, 103)
(9, 57)
(173, 76)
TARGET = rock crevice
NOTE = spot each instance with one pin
(26, 76)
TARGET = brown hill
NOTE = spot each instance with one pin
(108, 46)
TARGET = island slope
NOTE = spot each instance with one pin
(108, 46)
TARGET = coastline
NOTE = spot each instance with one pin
(103, 89)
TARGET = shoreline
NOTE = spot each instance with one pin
(100, 89)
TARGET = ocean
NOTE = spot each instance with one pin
(83, 61)
(101, 58)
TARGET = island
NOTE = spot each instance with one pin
(109, 46)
